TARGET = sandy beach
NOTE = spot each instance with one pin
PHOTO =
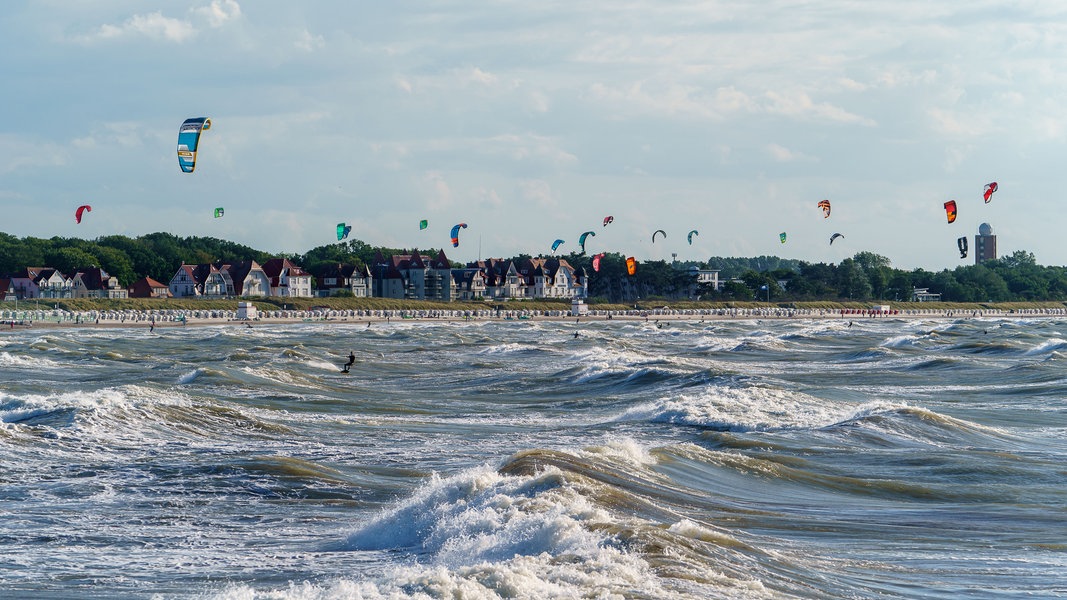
(10, 321)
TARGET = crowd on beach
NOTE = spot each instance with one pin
(153, 318)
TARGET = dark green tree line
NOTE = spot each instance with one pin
(864, 277)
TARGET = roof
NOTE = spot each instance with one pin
(274, 267)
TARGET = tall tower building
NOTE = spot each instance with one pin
(985, 244)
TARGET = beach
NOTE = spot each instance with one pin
(180, 318)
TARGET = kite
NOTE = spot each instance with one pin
(631, 265)
(658, 231)
(950, 211)
(834, 237)
(423, 224)
(989, 189)
(343, 231)
(690, 236)
(455, 233)
(962, 245)
(82, 209)
(556, 244)
(189, 140)
(219, 212)
(825, 206)
(581, 239)
(596, 261)
(608, 219)
(781, 236)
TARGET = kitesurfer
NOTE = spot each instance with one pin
(351, 361)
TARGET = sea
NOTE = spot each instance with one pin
(508, 458)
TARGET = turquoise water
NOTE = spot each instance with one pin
(719, 459)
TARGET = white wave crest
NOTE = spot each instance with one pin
(487, 535)
(739, 409)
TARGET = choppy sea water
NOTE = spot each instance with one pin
(719, 459)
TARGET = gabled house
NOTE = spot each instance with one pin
(6, 292)
(94, 282)
(287, 280)
(553, 278)
(333, 279)
(198, 281)
(502, 278)
(53, 284)
(245, 278)
(24, 282)
(414, 276)
(146, 287)
(470, 284)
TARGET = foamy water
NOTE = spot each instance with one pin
(732, 459)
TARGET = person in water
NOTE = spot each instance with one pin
(351, 361)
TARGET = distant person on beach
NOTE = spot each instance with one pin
(351, 361)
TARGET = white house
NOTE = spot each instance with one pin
(286, 279)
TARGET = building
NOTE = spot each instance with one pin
(703, 279)
(244, 279)
(335, 279)
(287, 280)
(470, 284)
(985, 244)
(40, 282)
(146, 287)
(552, 278)
(94, 282)
(502, 280)
(924, 295)
(414, 277)
(198, 281)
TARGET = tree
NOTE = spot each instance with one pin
(852, 282)
(877, 269)
(69, 260)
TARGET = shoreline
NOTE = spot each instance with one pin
(168, 319)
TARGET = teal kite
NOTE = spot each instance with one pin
(189, 141)
(581, 239)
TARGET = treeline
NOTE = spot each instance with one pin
(864, 277)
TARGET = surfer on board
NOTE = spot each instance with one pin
(351, 361)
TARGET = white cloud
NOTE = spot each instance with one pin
(438, 193)
(153, 25)
(783, 154)
(156, 26)
(219, 12)
(476, 75)
(800, 105)
(307, 42)
(538, 193)
(18, 153)
(487, 198)
(531, 146)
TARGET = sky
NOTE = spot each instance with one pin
(532, 121)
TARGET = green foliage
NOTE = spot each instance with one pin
(863, 278)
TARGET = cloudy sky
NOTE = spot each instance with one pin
(531, 121)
